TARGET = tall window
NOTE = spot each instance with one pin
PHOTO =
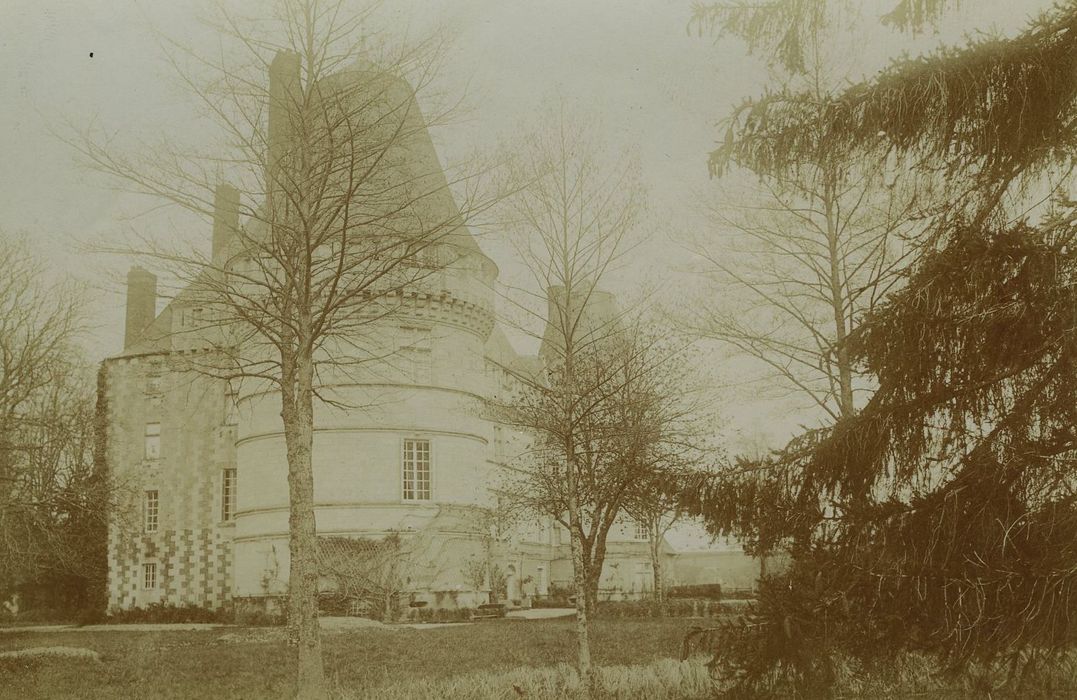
(153, 441)
(228, 494)
(417, 470)
(414, 350)
(149, 575)
(150, 511)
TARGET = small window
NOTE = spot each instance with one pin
(417, 470)
(149, 576)
(414, 339)
(231, 410)
(150, 511)
(228, 494)
(642, 531)
(153, 441)
(153, 386)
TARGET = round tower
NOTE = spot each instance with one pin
(401, 447)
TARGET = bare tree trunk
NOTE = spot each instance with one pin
(837, 301)
(583, 642)
(579, 580)
(592, 576)
(595, 558)
(656, 569)
(303, 633)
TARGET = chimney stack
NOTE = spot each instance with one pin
(141, 304)
(225, 221)
(285, 93)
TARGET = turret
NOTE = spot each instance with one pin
(225, 221)
(141, 304)
(596, 320)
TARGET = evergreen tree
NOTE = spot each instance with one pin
(941, 516)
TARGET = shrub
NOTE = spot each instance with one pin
(334, 605)
(713, 591)
(259, 611)
(40, 616)
(253, 617)
(90, 616)
(679, 607)
(739, 594)
(441, 614)
(159, 613)
(550, 601)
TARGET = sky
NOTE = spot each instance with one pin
(655, 88)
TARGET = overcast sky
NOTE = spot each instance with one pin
(629, 63)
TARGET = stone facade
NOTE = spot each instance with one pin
(183, 536)
(407, 446)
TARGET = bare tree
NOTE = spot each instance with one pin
(597, 412)
(799, 264)
(346, 212)
(572, 224)
(53, 499)
(630, 433)
(655, 509)
(800, 257)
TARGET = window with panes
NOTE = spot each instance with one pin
(150, 511)
(642, 531)
(228, 494)
(417, 485)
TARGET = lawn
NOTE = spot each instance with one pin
(252, 662)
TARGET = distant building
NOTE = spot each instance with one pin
(202, 462)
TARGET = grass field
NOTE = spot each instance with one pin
(466, 661)
(637, 660)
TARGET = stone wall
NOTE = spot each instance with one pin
(191, 545)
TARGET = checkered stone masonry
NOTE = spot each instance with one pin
(192, 548)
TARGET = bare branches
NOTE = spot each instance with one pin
(810, 259)
(53, 499)
(341, 220)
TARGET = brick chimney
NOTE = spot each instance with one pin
(141, 304)
(225, 221)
